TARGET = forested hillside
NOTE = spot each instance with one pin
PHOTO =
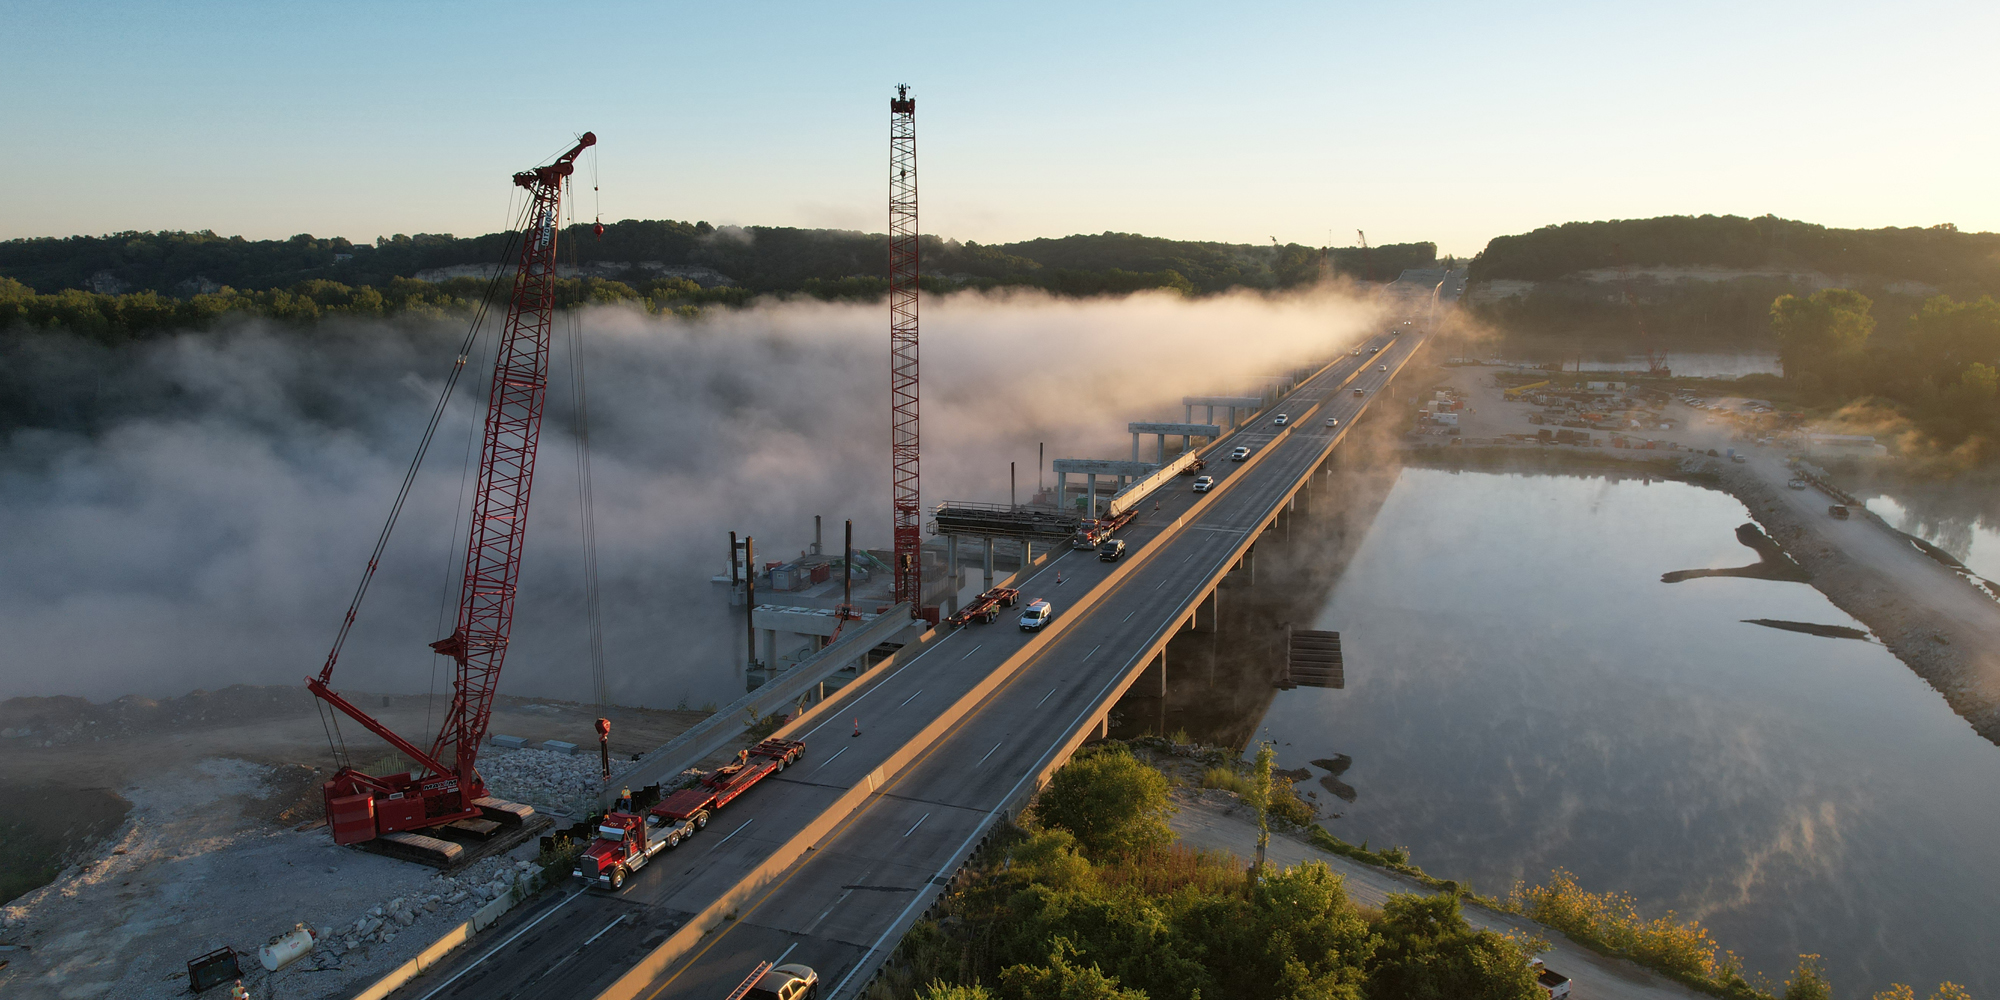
(755, 258)
(1940, 256)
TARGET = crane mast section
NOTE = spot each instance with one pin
(905, 493)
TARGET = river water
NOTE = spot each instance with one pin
(1523, 693)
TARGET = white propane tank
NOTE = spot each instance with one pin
(287, 949)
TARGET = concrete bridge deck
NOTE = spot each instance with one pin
(841, 853)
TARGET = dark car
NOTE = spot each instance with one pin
(1111, 549)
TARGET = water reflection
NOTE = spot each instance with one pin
(1523, 693)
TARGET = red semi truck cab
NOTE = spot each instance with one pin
(623, 846)
(625, 842)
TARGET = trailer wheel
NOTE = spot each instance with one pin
(701, 820)
(782, 761)
(618, 878)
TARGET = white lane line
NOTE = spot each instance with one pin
(996, 746)
(879, 685)
(918, 823)
(969, 652)
(510, 940)
(829, 760)
(781, 955)
(732, 833)
(1046, 697)
(1094, 649)
(911, 698)
(1185, 558)
(1128, 616)
(606, 930)
(1162, 583)
(822, 914)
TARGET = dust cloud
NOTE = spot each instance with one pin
(195, 511)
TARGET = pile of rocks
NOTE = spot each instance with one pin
(545, 779)
(453, 897)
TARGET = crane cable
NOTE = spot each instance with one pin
(586, 495)
(336, 742)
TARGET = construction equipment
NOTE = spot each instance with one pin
(906, 498)
(986, 607)
(1091, 532)
(446, 787)
(1367, 255)
(689, 809)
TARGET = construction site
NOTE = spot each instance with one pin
(317, 841)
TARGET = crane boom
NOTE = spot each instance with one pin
(362, 806)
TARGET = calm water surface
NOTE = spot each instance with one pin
(1523, 693)
(1972, 538)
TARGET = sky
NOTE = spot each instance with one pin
(1449, 122)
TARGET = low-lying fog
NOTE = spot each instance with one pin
(195, 511)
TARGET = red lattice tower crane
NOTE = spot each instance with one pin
(904, 493)
(447, 786)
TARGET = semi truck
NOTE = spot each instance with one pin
(986, 607)
(625, 842)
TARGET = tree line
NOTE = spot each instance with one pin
(1940, 368)
(759, 259)
(1940, 256)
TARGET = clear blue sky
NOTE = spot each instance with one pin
(1453, 122)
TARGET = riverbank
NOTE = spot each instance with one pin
(1926, 611)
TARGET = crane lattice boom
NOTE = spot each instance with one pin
(905, 495)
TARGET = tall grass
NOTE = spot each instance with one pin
(1610, 922)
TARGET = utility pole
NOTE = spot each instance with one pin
(750, 602)
(1011, 501)
(905, 495)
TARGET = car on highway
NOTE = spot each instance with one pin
(1333, 421)
(786, 982)
(1281, 420)
(1202, 483)
(1357, 392)
(1036, 616)
(1110, 549)
(1381, 368)
(1239, 454)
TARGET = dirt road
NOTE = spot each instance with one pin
(1209, 825)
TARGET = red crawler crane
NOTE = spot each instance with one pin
(904, 493)
(360, 806)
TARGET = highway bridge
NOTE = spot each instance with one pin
(830, 862)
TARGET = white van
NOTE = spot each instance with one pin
(1036, 616)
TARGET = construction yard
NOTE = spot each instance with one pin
(222, 840)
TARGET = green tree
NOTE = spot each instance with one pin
(1109, 801)
(1059, 980)
(1822, 333)
(941, 990)
(1428, 952)
(1260, 800)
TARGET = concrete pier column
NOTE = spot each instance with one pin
(951, 573)
(1104, 726)
(771, 649)
(1135, 446)
(989, 565)
(1062, 488)
(1250, 564)
(1163, 449)
(1090, 488)
(1187, 414)
(1211, 416)
(1211, 609)
(1163, 672)
(1027, 553)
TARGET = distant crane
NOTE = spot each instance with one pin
(1367, 255)
(906, 497)
(447, 787)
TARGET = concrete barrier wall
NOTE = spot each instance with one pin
(783, 692)
(482, 918)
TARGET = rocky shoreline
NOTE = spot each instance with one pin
(1946, 655)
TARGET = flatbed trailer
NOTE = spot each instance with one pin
(626, 842)
(986, 607)
(1091, 533)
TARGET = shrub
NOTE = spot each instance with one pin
(1109, 801)
(1228, 780)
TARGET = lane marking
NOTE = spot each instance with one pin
(918, 823)
(829, 909)
(1094, 649)
(829, 760)
(606, 930)
(969, 652)
(911, 698)
(732, 833)
(481, 960)
(1128, 616)
(1046, 697)
(996, 746)
(782, 954)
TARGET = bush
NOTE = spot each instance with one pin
(1228, 780)
(1109, 801)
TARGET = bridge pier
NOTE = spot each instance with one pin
(989, 564)
(951, 573)
(1213, 605)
